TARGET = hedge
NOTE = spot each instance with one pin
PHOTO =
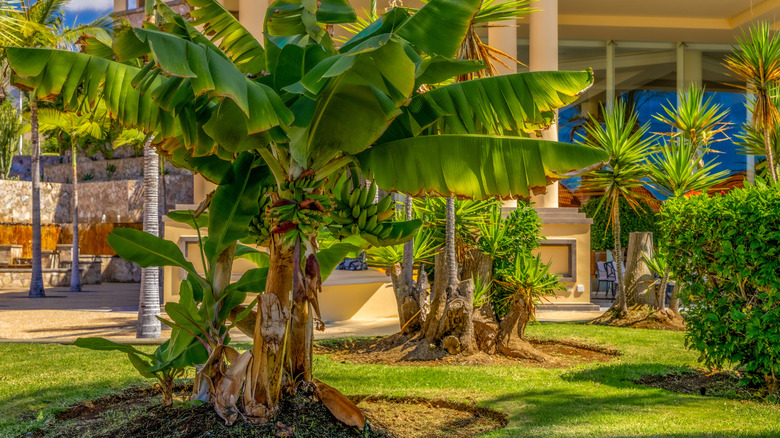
(724, 250)
(641, 219)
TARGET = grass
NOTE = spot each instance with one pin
(589, 400)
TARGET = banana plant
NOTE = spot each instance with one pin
(291, 122)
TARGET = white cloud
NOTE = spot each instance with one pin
(90, 5)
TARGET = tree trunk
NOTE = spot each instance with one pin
(450, 320)
(638, 275)
(621, 304)
(410, 297)
(770, 158)
(75, 277)
(149, 302)
(516, 321)
(674, 302)
(660, 294)
(36, 280)
(479, 264)
(299, 349)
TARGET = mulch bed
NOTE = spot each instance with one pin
(712, 384)
(400, 350)
(139, 412)
(642, 317)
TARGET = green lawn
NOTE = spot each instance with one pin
(594, 400)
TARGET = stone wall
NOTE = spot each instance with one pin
(21, 165)
(126, 169)
(119, 201)
(20, 278)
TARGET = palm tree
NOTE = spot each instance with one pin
(40, 24)
(624, 172)
(756, 62)
(149, 301)
(87, 127)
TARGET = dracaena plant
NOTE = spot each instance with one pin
(294, 128)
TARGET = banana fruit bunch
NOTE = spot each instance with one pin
(300, 211)
(260, 226)
(355, 212)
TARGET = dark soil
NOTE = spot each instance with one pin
(399, 350)
(138, 412)
(715, 384)
(642, 317)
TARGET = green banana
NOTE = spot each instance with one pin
(363, 197)
(344, 195)
(356, 211)
(384, 204)
(371, 210)
(370, 195)
(355, 229)
(362, 220)
(354, 198)
(371, 223)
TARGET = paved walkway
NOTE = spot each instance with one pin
(110, 310)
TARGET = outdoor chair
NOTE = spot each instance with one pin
(603, 278)
(612, 276)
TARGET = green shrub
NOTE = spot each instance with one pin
(724, 251)
(631, 220)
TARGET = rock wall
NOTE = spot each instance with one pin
(124, 169)
(118, 201)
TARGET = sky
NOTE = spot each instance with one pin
(84, 11)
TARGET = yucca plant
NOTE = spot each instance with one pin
(521, 287)
(756, 62)
(11, 127)
(624, 172)
(695, 119)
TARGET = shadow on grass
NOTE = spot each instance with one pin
(596, 413)
(621, 375)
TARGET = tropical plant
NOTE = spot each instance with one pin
(10, 130)
(39, 24)
(756, 63)
(280, 128)
(675, 170)
(80, 129)
(695, 120)
(625, 171)
(521, 287)
(166, 364)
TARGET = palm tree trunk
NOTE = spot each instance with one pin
(149, 301)
(407, 267)
(617, 255)
(449, 247)
(770, 159)
(660, 295)
(36, 280)
(75, 277)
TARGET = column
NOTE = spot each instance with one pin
(692, 68)
(680, 70)
(610, 74)
(251, 14)
(503, 36)
(544, 57)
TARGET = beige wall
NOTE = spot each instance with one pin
(559, 258)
